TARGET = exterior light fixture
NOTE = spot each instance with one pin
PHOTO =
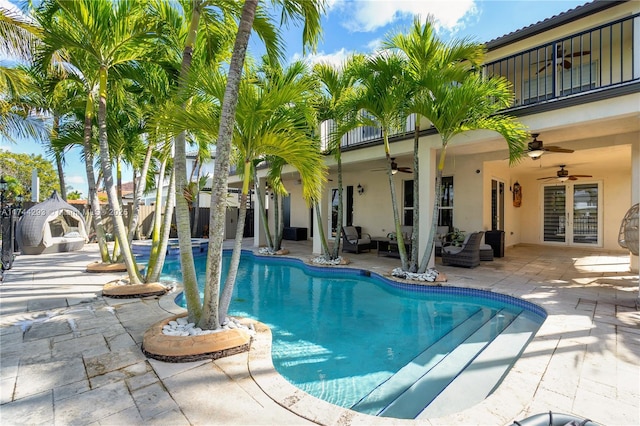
(536, 153)
(360, 189)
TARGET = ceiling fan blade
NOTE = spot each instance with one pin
(577, 176)
(566, 64)
(552, 148)
(404, 170)
(545, 65)
(577, 54)
(548, 177)
(573, 178)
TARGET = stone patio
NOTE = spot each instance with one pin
(71, 356)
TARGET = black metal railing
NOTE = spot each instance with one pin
(588, 61)
(594, 59)
(363, 135)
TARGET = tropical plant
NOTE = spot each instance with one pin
(274, 119)
(450, 93)
(335, 104)
(21, 166)
(427, 58)
(473, 103)
(309, 12)
(105, 35)
(207, 314)
(383, 93)
(19, 36)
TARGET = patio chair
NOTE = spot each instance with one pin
(441, 238)
(353, 243)
(467, 255)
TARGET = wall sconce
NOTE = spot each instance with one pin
(360, 189)
(517, 194)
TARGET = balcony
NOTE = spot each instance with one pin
(589, 61)
(599, 62)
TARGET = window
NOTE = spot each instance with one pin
(445, 215)
(407, 206)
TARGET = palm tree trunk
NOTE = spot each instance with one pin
(322, 236)
(58, 156)
(210, 317)
(276, 221)
(336, 241)
(263, 211)
(426, 256)
(157, 216)
(196, 201)
(140, 186)
(189, 278)
(91, 181)
(415, 234)
(402, 249)
(227, 292)
(163, 240)
(105, 163)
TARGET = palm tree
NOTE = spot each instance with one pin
(19, 37)
(250, 17)
(338, 90)
(307, 10)
(470, 104)
(274, 119)
(429, 59)
(383, 95)
(451, 94)
(106, 34)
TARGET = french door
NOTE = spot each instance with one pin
(572, 214)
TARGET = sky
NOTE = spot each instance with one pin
(359, 26)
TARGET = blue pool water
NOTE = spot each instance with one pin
(349, 338)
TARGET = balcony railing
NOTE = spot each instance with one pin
(594, 59)
(599, 58)
(362, 135)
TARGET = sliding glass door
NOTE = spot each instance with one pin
(572, 214)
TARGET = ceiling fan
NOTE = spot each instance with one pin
(562, 58)
(563, 175)
(535, 148)
(395, 169)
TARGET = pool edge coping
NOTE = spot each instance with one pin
(490, 411)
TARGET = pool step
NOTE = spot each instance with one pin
(427, 387)
(389, 391)
(486, 371)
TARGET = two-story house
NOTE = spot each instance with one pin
(576, 78)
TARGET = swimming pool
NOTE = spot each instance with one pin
(376, 346)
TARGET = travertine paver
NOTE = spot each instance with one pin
(65, 350)
(93, 405)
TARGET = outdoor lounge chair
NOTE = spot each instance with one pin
(354, 243)
(467, 255)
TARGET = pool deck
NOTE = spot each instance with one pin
(71, 356)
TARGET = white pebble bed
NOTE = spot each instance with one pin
(430, 275)
(182, 327)
(321, 260)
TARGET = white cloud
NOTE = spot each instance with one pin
(75, 179)
(335, 59)
(370, 15)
